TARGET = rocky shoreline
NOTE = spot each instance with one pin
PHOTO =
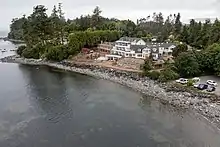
(205, 104)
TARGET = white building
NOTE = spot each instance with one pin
(138, 48)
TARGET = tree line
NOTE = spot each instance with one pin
(53, 38)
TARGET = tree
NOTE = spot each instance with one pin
(147, 66)
(16, 28)
(178, 24)
(21, 49)
(167, 75)
(187, 65)
(96, 17)
(215, 33)
(37, 28)
(184, 35)
(179, 49)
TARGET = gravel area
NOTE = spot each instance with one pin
(179, 97)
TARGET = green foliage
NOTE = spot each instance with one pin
(154, 75)
(190, 82)
(89, 38)
(147, 66)
(187, 65)
(201, 35)
(168, 75)
(21, 49)
(16, 30)
(31, 53)
(179, 49)
(57, 53)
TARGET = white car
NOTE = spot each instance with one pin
(196, 85)
(196, 80)
(182, 81)
(212, 83)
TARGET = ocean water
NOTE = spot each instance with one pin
(44, 107)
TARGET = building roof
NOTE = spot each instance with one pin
(138, 48)
(130, 39)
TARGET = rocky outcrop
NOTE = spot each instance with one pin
(177, 96)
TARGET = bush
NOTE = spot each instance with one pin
(31, 53)
(187, 65)
(154, 75)
(21, 49)
(147, 66)
(168, 75)
(57, 53)
(190, 83)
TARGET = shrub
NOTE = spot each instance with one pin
(190, 82)
(147, 66)
(154, 75)
(21, 49)
(30, 53)
(168, 75)
(57, 53)
(187, 65)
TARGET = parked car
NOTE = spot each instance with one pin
(196, 85)
(202, 86)
(196, 80)
(182, 81)
(211, 89)
(212, 83)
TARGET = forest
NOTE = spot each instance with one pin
(56, 38)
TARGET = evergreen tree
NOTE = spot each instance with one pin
(178, 24)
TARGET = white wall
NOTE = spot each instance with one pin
(155, 56)
(138, 55)
(161, 50)
(141, 42)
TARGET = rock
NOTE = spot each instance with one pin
(205, 101)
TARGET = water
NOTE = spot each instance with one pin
(8, 46)
(43, 107)
(3, 33)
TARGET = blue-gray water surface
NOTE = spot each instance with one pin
(44, 107)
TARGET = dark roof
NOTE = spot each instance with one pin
(138, 48)
(153, 47)
(129, 39)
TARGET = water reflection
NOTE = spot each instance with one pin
(48, 93)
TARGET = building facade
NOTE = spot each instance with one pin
(138, 48)
(105, 47)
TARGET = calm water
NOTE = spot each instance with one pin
(8, 46)
(43, 107)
